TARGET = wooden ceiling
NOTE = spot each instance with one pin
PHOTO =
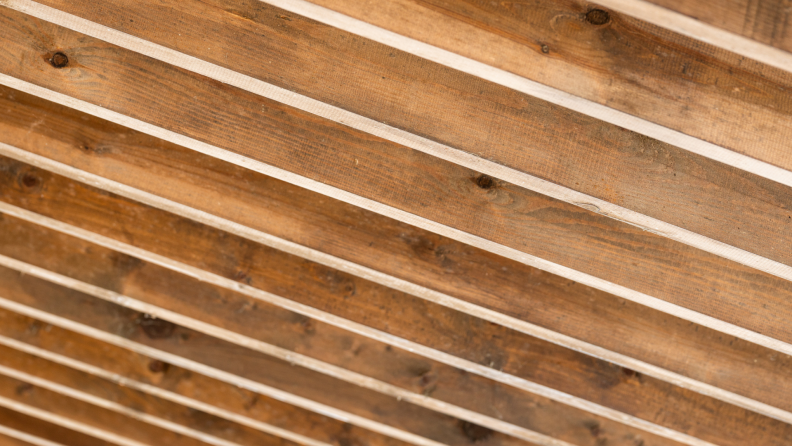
(395, 222)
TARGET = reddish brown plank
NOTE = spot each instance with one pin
(47, 431)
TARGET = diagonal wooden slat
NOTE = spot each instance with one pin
(61, 140)
(13, 437)
(658, 258)
(46, 431)
(500, 154)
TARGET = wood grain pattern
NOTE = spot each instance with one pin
(349, 297)
(626, 64)
(766, 21)
(101, 419)
(352, 233)
(405, 179)
(181, 382)
(140, 402)
(47, 431)
(243, 362)
(254, 318)
(497, 123)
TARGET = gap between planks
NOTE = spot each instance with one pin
(67, 423)
(365, 381)
(114, 407)
(690, 27)
(220, 375)
(26, 437)
(360, 271)
(402, 137)
(159, 393)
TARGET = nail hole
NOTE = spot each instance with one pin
(154, 327)
(485, 182)
(545, 49)
(597, 17)
(474, 432)
(157, 366)
(30, 181)
(59, 60)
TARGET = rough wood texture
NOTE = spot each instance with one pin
(581, 375)
(607, 63)
(766, 21)
(138, 401)
(439, 263)
(47, 431)
(240, 361)
(402, 178)
(618, 61)
(87, 414)
(349, 297)
(185, 383)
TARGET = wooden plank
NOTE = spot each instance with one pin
(13, 437)
(270, 324)
(626, 64)
(505, 218)
(463, 127)
(174, 383)
(574, 426)
(287, 376)
(756, 30)
(48, 431)
(255, 271)
(575, 374)
(93, 420)
(136, 404)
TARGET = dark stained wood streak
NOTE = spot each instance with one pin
(54, 374)
(45, 340)
(499, 124)
(344, 295)
(101, 421)
(505, 216)
(47, 431)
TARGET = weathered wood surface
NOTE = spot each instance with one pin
(500, 124)
(353, 298)
(181, 382)
(766, 21)
(411, 181)
(102, 421)
(47, 431)
(200, 422)
(241, 361)
(611, 59)
(303, 217)
(241, 314)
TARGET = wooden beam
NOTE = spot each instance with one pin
(610, 254)
(756, 31)
(255, 271)
(462, 127)
(177, 384)
(136, 404)
(267, 323)
(282, 210)
(287, 375)
(13, 437)
(141, 282)
(53, 433)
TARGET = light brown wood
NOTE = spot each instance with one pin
(130, 152)
(497, 211)
(499, 124)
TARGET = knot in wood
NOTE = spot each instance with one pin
(597, 17)
(59, 60)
